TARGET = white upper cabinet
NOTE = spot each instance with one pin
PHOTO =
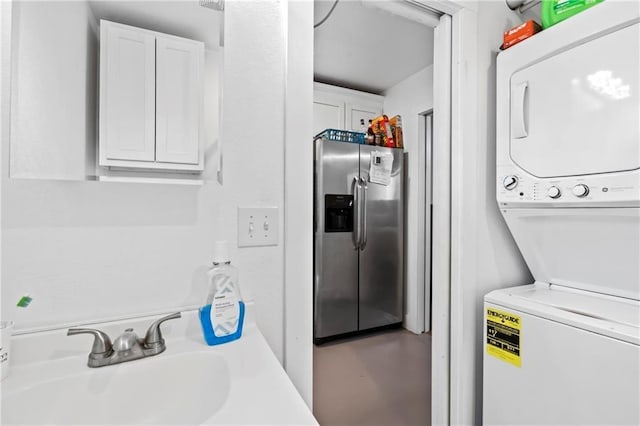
(343, 109)
(178, 101)
(150, 99)
(328, 112)
(127, 88)
(358, 116)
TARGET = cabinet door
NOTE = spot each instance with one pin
(179, 101)
(358, 116)
(328, 113)
(127, 94)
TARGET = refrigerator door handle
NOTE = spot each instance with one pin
(363, 201)
(356, 233)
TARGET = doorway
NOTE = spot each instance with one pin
(455, 96)
(384, 376)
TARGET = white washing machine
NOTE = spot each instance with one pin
(566, 349)
(571, 358)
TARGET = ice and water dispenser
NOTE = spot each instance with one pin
(338, 213)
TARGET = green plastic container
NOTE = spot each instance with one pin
(554, 11)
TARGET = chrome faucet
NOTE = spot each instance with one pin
(127, 347)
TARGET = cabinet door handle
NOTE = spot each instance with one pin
(519, 111)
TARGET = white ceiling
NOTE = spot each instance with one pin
(184, 18)
(365, 48)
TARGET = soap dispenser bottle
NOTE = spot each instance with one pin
(222, 315)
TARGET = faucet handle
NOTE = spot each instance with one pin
(101, 343)
(153, 339)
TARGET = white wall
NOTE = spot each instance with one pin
(5, 88)
(491, 260)
(53, 96)
(89, 251)
(298, 359)
(253, 146)
(410, 98)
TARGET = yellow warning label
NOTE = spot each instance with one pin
(503, 336)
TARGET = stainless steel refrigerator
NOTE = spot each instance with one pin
(358, 239)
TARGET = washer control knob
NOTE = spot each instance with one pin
(510, 182)
(554, 192)
(581, 190)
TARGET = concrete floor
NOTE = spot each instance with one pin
(377, 379)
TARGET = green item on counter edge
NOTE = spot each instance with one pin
(554, 11)
(24, 301)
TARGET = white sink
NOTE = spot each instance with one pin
(186, 388)
(239, 382)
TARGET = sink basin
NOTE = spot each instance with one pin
(240, 382)
(182, 388)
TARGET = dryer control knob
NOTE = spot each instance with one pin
(554, 192)
(581, 190)
(510, 182)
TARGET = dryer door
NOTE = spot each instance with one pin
(577, 112)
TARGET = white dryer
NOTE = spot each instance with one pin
(566, 350)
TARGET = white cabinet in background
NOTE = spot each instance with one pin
(150, 100)
(345, 109)
(328, 112)
(358, 116)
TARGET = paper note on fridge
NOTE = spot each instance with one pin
(380, 167)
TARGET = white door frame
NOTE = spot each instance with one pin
(449, 402)
(425, 201)
(455, 88)
(464, 137)
(442, 220)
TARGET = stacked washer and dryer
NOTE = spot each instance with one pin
(566, 349)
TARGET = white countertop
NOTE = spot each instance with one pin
(259, 391)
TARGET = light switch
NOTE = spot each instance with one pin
(257, 226)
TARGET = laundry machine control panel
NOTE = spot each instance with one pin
(518, 188)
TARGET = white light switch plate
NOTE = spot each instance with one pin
(257, 226)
